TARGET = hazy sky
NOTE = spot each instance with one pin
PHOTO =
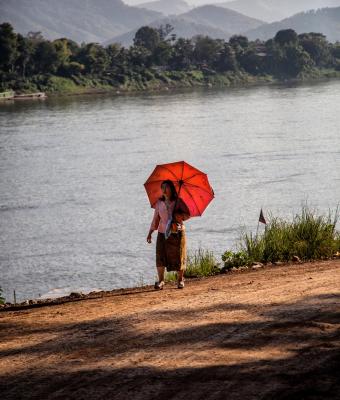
(193, 2)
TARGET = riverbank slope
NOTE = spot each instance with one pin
(264, 334)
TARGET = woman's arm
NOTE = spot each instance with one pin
(182, 212)
(154, 224)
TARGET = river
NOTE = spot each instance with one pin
(74, 215)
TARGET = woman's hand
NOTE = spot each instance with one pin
(178, 218)
(148, 239)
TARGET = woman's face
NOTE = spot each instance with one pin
(166, 191)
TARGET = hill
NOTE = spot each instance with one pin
(222, 18)
(326, 21)
(276, 10)
(166, 7)
(93, 21)
(212, 21)
(182, 28)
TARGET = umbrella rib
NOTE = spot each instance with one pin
(197, 173)
(169, 171)
(199, 187)
(193, 200)
(158, 180)
(182, 171)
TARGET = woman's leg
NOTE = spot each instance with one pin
(183, 255)
(180, 275)
(160, 256)
(160, 271)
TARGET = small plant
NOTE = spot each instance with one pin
(171, 277)
(235, 260)
(308, 236)
(2, 299)
(201, 263)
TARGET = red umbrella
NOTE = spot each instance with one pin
(192, 185)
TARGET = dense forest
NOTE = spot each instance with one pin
(158, 58)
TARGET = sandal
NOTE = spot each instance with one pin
(180, 285)
(159, 285)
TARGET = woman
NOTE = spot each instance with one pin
(170, 252)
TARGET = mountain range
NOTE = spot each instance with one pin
(276, 10)
(182, 28)
(107, 21)
(213, 21)
(82, 21)
(166, 7)
(325, 20)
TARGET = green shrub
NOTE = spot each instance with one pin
(2, 299)
(235, 259)
(200, 263)
(308, 236)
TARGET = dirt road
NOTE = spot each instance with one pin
(266, 334)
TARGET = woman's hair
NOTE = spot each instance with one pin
(174, 194)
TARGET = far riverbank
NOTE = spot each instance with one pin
(165, 81)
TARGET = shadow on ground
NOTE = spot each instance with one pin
(309, 330)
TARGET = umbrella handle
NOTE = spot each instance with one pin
(179, 191)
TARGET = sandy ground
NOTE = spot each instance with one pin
(272, 333)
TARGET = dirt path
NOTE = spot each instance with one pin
(264, 334)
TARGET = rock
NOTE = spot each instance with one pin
(257, 266)
(32, 302)
(296, 259)
(277, 263)
(76, 295)
(25, 303)
(337, 254)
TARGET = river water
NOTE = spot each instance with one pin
(73, 211)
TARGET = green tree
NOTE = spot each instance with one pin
(46, 58)
(8, 47)
(251, 62)
(25, 48)
(162, 53)
(164, 31)
(183, 54)
(139, 56)
(335, 50)
(147, 37)
(36, 36)
(285, 37)
(297, 60)
(317, 46)
(226, 59)
(207, 50)
(63, 50)
(239, 42)
(94, 57)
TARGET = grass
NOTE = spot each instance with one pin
(308, 236)
(200, 263)
(2, 299)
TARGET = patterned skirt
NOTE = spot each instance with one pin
(171, 253)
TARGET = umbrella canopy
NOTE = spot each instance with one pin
(192, 185)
